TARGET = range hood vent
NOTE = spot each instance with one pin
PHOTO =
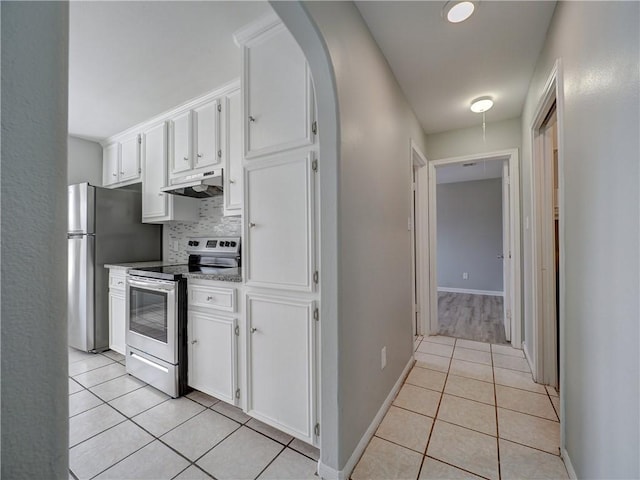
(201, 185)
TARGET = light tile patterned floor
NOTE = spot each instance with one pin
(121, 428)
(467, 410)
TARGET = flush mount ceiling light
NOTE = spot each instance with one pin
(457, 11)
(481, 104)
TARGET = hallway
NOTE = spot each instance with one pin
(491, 420)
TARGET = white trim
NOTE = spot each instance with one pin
(527, 356)
(567, 463)
(328, 473)
(421, 235)
(514, 196)
(493, 293)
(260, 26)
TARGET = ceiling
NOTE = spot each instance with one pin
(480, 170)
(129, 61)
(442, 66)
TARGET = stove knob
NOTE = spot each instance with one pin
(190, 243)
(195, 244)
(233, 244)
(225, 244)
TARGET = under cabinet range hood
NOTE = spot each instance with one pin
(201, 185)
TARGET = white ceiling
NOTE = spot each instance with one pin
(129, 61)
(482, 170)
(442, 66)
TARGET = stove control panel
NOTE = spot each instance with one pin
(213, 246)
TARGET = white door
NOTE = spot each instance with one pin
(117, 322)
(280, 363)
(212, 360)
(233, 155)
(130, 158)
(277, 102)
(205, 140)
(278, 228)
(154, 153)
(110, 160)
(506, 249)
(181, 144)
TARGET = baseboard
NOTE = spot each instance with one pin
(569, 465)
(328, 473)
(471, 291)
(528, 358)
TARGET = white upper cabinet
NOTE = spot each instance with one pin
(279, 225)
(232, 153)
(130, 158)
(110, 160)
(121, 161)
(181, 143)
(206, 134)
(157, 206)
(278, 109)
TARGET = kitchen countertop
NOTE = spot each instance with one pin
(130, 265)
(226, 275)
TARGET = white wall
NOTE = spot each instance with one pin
(469, 217)
(84, 161)
(468, 141)
(34, 434)
(375, 126)
(598, 43)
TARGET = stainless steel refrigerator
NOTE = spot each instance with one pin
(105, 227)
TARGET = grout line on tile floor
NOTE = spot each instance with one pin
(495, 399)
(455, 466)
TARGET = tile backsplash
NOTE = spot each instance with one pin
(212, 222)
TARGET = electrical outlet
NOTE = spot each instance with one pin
(383, 358)
(465, 275)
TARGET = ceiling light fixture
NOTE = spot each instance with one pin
(457, 11)
(481, 104)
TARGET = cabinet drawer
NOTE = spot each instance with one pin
(214, 297)
(117, 282)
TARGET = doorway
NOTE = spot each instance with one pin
(503, 167)
(418, 226)
(547, 236)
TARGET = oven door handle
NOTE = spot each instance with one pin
(154, 286)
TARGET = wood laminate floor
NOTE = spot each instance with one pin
(472, 317)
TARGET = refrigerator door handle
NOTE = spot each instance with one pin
(80, 298)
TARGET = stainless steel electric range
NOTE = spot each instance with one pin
(156, 304)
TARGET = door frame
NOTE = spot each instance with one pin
(511, 155)
(419, 229)
(545, 341)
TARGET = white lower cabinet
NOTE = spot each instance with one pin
(117, 311)
(281, 363)
(213, 355)
(212, 337)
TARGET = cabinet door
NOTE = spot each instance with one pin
(117, 322)
(154, 153)
(280, 363)
(212, 355)
(205, 140)
(181, 143)
(278, 228)
(278, 101)
(232, 151)
(110, 160)
(130, 158)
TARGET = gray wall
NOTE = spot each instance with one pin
(468, 141)
(34, 434)
(375, 124)
(469, 216)
(599, 46)
(84, 162)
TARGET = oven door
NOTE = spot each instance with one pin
(151, 317)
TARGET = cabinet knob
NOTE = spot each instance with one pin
(114, 174)
(209, 298)
(254, 329)
(193, 342)
(121, 173)
(199, 155)
(120, 282)
(251, 225)
(186, 159)
(252, 119)
(160, 194)
(232, 181)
